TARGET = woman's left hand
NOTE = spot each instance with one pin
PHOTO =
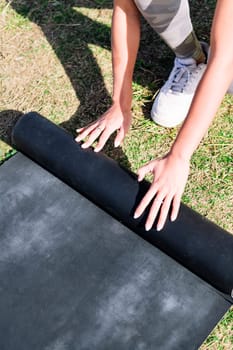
(170, 177)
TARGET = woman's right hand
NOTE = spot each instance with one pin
(114, 119)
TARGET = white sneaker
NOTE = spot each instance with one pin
(172, 103)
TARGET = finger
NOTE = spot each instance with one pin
(144, 170)
(92, 137)
(94, 123)
(164, 212)
(145, 201)
(154, 211)
(80, 129)
(119, 138)
(102, 140)
(86, 132)
(175, 206)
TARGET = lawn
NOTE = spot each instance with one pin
(55, 58)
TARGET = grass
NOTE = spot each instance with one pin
(56, 59)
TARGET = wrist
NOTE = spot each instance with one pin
(122, 95)
(181, 155)
(124, 106)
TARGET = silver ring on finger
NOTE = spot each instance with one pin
(160, 201)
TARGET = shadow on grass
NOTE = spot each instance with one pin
(8, 120)
(70, 33)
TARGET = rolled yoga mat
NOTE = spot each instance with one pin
(72, 277)
(196, 243)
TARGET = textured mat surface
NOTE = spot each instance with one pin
(196, 243)
(72, 277)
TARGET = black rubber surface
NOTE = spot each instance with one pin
(198, 244)
(74, 278)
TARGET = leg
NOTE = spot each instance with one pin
(171, 20)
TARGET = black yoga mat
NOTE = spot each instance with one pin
(198, 244)
(74, 278)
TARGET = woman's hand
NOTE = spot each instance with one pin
(114, 119)
(170, 176)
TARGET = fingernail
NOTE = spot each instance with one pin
(173, 218)
(84, 146)
(136, 216)
(148, 227)
(159, 228)
(116, 144)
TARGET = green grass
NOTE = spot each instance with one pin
(56, 59)
(11, 19)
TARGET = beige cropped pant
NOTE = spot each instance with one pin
(171, 20)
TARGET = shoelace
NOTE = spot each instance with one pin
(181, 75)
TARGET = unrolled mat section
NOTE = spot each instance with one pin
(73, 277)
(198, 244)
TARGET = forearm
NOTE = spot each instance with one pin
(125, 43)
(213, 85)
(203, 109)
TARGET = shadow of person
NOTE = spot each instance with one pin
(8, 120)
(70, 33)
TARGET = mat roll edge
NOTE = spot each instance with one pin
(195, 242)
